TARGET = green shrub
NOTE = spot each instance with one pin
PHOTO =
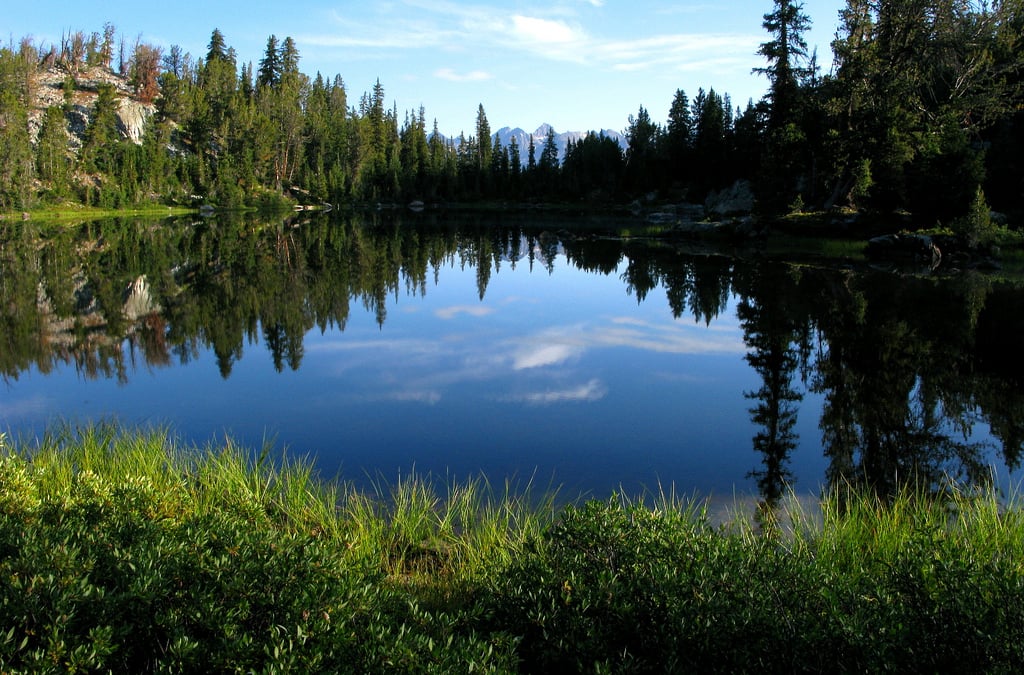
(120, 553)
(123, 553)
(625, 588)
(977, 228)
(617, 588)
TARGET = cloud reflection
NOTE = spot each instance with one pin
(544, 354)
(430, 368)
(593, 390)
(30, 407)
(425, 396)
(455, 310)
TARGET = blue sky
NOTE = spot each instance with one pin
(575, 64)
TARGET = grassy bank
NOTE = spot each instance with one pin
(73, 213)
(128, 552)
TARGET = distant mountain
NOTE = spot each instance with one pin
(540, 136)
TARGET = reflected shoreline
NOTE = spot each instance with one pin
(907, 366)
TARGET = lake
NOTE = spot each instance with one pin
(567, 351)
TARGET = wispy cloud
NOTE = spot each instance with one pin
(429, 397)
(556, 34)
(544, 354)
(472, 76)
(674, 338)
(677, 51)
(29, 407)
(471, 310)
(593, 390)
(428, 370)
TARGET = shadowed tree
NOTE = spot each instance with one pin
(642, 136)
(786, 54)
(679, 136)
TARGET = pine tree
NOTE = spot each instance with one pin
(52, 161)
(549, 155)
(786, 161)
(709, 143)
(101, 136)
(217, 49)
(679, 136)
(483, 134)
(784, 53)
(642, 138)
(270, 65)
(289, 58)
(15, 151)
(545, 173)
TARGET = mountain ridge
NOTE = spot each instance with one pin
(562, 140)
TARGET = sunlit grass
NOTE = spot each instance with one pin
(76, 213)
(127, 551)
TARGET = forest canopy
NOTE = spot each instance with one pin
(921, 111)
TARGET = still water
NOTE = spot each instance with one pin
(556, 351)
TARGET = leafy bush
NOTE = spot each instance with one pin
(616, 588)
(187, 567)
(121, 553)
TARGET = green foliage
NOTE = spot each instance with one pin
(122, 552)
(924, 93)
(977, 228)
(786, 54)
(862, 181)
(16, 161)
(917, 85)
(621, 588)
(99, 146)
(16, 165)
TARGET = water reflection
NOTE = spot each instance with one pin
(919, 379)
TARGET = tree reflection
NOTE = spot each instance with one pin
(769, 330)
(906, 367)
(895, 371)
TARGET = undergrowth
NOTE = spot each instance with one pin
(126, 552)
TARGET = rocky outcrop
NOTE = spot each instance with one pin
(917, 249)
(48, 90)
(736, 200)
(132, 117)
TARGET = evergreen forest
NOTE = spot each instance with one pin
(921, 112)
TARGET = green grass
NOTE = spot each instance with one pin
(128, 552)
(73, 213)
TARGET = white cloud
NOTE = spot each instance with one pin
(544, 31)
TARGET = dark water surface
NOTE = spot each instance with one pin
(516, 347)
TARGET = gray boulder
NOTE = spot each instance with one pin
(905, 248)
(733, 201)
